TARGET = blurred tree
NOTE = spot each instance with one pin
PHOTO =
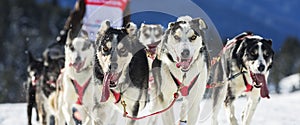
(24, 21)
(286, 61)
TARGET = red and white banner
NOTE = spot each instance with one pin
(111, 3)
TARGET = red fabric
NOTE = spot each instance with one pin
(111, 3)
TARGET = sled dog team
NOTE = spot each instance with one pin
(129, 70)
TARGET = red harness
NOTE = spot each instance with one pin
(184, 90)
(117, 96)
(80, 89)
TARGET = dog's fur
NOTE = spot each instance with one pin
(121, 66)
(247, 59)
(183, 54)
(76, 79)
(34, 70)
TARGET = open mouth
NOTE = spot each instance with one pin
(152, 47)
(110, 81)
(260, 82)
(184, 64)
(78, 65)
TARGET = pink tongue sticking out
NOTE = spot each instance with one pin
(260, 80)
(183, 64)
(105, 89)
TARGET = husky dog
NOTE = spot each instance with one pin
(150, 36)
(184, 68)
(53, 62)
(121, 66)
(76, 94)
(247, 62)
(34, 70)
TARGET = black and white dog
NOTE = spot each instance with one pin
(34, 70)
(184, 68)
(247, 60)
(121, 67)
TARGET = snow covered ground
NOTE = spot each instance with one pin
(279, 110)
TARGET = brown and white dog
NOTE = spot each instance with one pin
(184, 68)
(247, 60)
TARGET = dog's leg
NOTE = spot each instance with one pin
(67, 114)
(168, 117)
(230, 109)
(249, 110)
(219, 94)
(183, 111)
(29, 111)
(36, 111)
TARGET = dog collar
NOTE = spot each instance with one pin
(184, 90)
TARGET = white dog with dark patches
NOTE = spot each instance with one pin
(121, 67)
(184, 68)
(76, 97)
(247, 60)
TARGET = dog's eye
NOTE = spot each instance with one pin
(71, 47)
(253, 53)
(122, 50)
(193, 37)
(176, 37)
(105, 49)
(266, 53)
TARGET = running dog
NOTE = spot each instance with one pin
(247, 60)
(75, 96)
(150, 36)
(34, 70)
(184, 68)
(53, 62)
(122, 69)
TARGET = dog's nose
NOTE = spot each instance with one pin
(113, 66)
(185, 53)
(78, 59)
(261, 67)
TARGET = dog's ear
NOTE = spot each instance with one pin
(131, 29)
(105, 25)
(199, 22)
(268, 41)
(84, 34)
(70, 37)
(30, 56)
(171, 25)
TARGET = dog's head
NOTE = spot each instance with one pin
(34, 69)
(150, 36)
(79, 51)
(256, 55)
(53, 62)
(115, 49)
(184, 41)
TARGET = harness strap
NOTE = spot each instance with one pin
(184, 90)
(117, 96)
(80, 89)
(249, 87)
(176, 95)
